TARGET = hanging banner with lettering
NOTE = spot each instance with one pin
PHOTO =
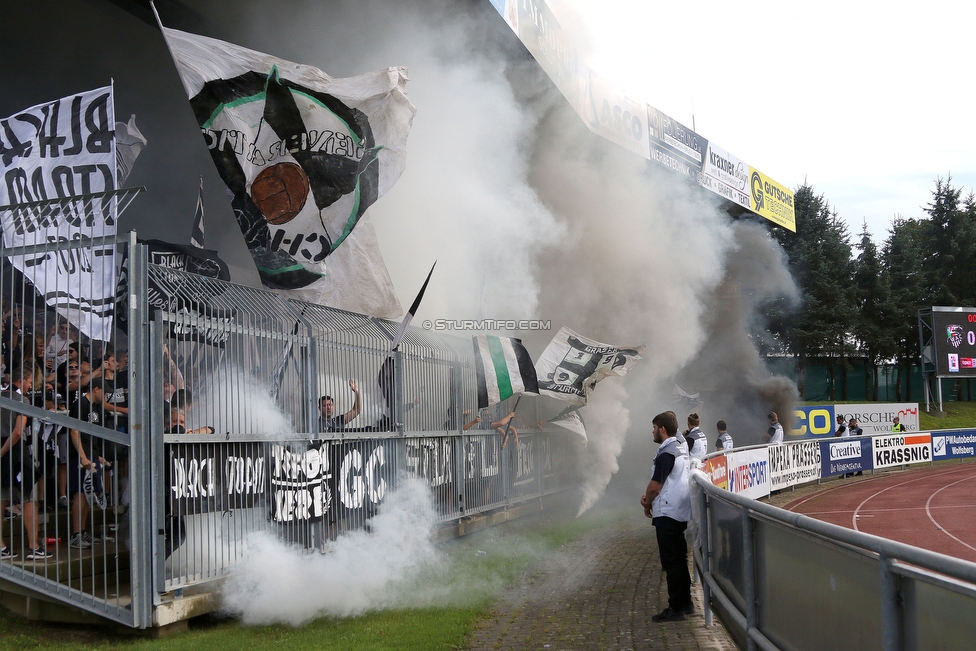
(207, 477)
(724, 174)
(772, 200)
(793, 463)
(329, 480)
(608, 111)
(901, 449)
(749, 472)
(670, 138)
(61, 150)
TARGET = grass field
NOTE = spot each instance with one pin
(474, 572)
(958, 415)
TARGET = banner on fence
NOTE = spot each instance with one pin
(717, 470)
(207, 477)
(795, 463)
(749, 472)
(902, 449)
(953, 445)
(845, 455)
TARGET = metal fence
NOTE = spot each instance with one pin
(66, 449)
(780, 580)
(299, 419)
(147, 460)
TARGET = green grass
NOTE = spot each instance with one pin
(457, 593)
(958, 415)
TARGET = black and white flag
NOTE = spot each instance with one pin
(59, 168)
(572, 364)
(303, 155)
(198, 235)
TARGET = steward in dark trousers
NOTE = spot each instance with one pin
(667, 501)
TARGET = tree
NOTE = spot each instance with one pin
(905, 254)
(819, 257)
(872, 296)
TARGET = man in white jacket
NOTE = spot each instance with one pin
(667, 501)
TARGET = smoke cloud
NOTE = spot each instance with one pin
(363, 571)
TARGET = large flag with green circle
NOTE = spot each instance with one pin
(303, 155)
(504, 369)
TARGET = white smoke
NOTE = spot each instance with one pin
(606, 410)
(363, 571)
(231, 400)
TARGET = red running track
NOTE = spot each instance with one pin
(932, 507)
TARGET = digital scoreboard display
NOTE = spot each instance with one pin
(955, 341)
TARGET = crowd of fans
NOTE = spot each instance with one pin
(47, 363)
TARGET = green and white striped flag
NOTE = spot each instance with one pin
(504, 369)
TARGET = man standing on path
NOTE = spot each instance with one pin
(667, 501)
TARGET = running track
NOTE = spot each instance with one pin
(933, 507)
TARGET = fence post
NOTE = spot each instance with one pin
(141, 494)
(705, 553)
(749, 575)
(890, 624)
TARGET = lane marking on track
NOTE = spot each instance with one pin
(919, 477)
(928, 511)
(813, 496)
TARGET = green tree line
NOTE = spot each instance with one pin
(859, 300)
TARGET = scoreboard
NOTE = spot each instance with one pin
(954, 338)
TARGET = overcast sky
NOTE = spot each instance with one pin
(868, 102)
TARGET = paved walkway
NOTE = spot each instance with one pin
(599, 593)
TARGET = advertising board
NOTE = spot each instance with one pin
(876, 418)
(717, 469)
(749, 472)
(812, 422)
(840, 456)
(953, 444)
(793, 463)
(772, 200)
(902, 449)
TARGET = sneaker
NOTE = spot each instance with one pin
(689, 609)
(669, 615)
(87, 537)
(63, 502)
(78, 541)
(38, 554)
(6, 552)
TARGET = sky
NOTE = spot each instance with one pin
(865, 102)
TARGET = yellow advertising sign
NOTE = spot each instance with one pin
(771, 200)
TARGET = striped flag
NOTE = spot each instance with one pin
(504, 369)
